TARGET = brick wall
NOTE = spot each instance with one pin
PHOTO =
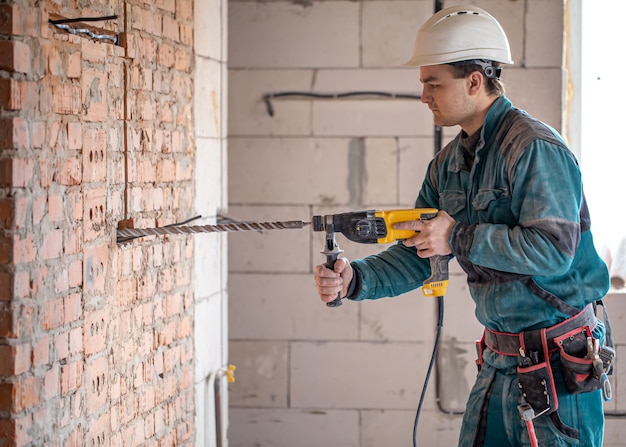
(96, 338)
(309, 375)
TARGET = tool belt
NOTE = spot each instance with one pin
(508, 344)
(584, 363)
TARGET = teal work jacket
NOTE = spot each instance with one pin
(522, 231)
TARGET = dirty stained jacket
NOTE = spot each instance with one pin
(522, 232)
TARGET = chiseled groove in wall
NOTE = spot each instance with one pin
(357, 173)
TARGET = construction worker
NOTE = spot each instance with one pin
(513, 213)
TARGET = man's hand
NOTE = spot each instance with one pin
(432, 237)
(329, 283)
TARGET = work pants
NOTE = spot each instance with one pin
(492, 418)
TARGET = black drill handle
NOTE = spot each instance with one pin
(331, 258)
(438, 268)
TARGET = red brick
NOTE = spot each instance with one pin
(62, 346)
(145, 111)
(24, 249)
(7, 431)
(29, 94)
(41, 352)
(75, 341)
(39, 208)
(184, 10)
(24, 321)
(94, 219)
(6, 249)
(51, 383)
(53, 315)
(95, 266)
(7, 328)
(185, 327)
(186, 35)
(52, 246)
(166, 170)
(22, 218)
(61, 282)
(170, 29)
(6, 396)
(22, 359)
(10, 94)
(55, 62)
(70, 172)
(21, 284)
(6, 286)
(95, 333)
(7, 354)
(94, 95)
(37, 134)
(74, 135)
(47, 172)
(97, 381)
(38, 280)
(55, 208)
(14, 133)
(71, 377)
(6, 171)
(148, 21)
(66, 99)
(14, 56)
(93, 51)
(183, 60)
(19, 21)
(7, 15)
(94, 155)
(75, 273)
(72, 308)
(73, 242)
(6, 213)
(165, 55)
(74, 65)
(99, 432)
(24, 394)
(22, 172)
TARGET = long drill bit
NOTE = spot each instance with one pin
(125, 234)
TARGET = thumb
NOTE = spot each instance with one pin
(341, 264)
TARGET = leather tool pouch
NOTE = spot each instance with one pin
(536, 381)
(582, 367)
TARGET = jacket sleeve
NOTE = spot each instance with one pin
(392, 272)
(546, 197)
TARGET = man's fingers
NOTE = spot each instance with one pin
(416, 225)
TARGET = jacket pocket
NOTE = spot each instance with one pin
(452, 202)
(493, 206)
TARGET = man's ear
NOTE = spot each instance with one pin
(475, 81)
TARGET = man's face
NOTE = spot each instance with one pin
(447, 97)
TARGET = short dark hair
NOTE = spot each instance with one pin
(490, 69)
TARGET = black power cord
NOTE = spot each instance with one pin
(433, 358)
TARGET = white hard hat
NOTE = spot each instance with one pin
(460, 33)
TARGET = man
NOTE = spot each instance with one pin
(513, 213)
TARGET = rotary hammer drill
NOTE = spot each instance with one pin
(376, 227)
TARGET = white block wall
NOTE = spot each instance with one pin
(210, 250)
(308, 375)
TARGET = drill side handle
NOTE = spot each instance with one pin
(332, 252)
(331, 258)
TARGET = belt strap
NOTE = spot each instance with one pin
(508, 344)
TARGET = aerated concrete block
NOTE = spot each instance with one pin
(261, 310)
(290, 35)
